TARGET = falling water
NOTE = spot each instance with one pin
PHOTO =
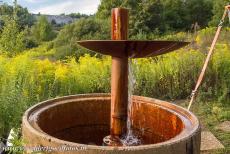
(130, 138)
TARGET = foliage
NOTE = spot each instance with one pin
(16, 141)
(16, 35)
(171, 76)
(24, 18)
(161, 15)
(78, 15)
(222, 68)
(30, 78)
(104, 9)
(218, 10)
(212, 114)
(42, 30)
(11, 38)
(149, 16)
(90, 28)
(205, 37)
(30, 41)
(180, 36)
(179, 15)
(24, 82)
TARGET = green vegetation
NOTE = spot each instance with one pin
(78, 15)
(39, 61)
(211, 114)
(11, 38)
(30, 78)
(66, 42)
(161, 15)
(24, 18)
(217, 11)
(42, 30)
(25, 81)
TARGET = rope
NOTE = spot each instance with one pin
(200, 79)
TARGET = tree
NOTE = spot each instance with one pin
(42, 30)
(199, 11)
(24, 18)
(218, 10)
(149, 16)
(104, 9)
(84, 28)
(11, 38)
(6, 9)
(78, 15)
(161, 16)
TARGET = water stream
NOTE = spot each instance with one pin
(130, 138)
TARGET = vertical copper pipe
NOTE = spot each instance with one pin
(119, 79)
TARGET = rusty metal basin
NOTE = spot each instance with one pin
(81, 122)
(131, 48)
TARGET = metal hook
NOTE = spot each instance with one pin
(221, 23)
(193, 93)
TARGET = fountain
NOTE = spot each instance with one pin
(95, 123)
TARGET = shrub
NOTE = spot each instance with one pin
(206, 36)
(169, 76)
(42, 30)
(11, 38)
(90, 28)
(27, 79)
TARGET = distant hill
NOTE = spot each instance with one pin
(58, 19)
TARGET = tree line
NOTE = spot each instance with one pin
(19, 31)
(166, 15)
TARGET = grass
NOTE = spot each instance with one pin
(210, 115)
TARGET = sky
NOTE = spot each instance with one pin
(56, 7)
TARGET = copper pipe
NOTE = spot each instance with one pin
(119, 76)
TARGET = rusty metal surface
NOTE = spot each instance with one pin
(84, 119)
(133, 49)
(119, 96)
(119, 24)
(119, 76)
(160, 126)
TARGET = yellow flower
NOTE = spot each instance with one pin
(61, 72)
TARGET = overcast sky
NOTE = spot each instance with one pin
(56, 7)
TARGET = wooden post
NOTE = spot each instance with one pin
(119, 79)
